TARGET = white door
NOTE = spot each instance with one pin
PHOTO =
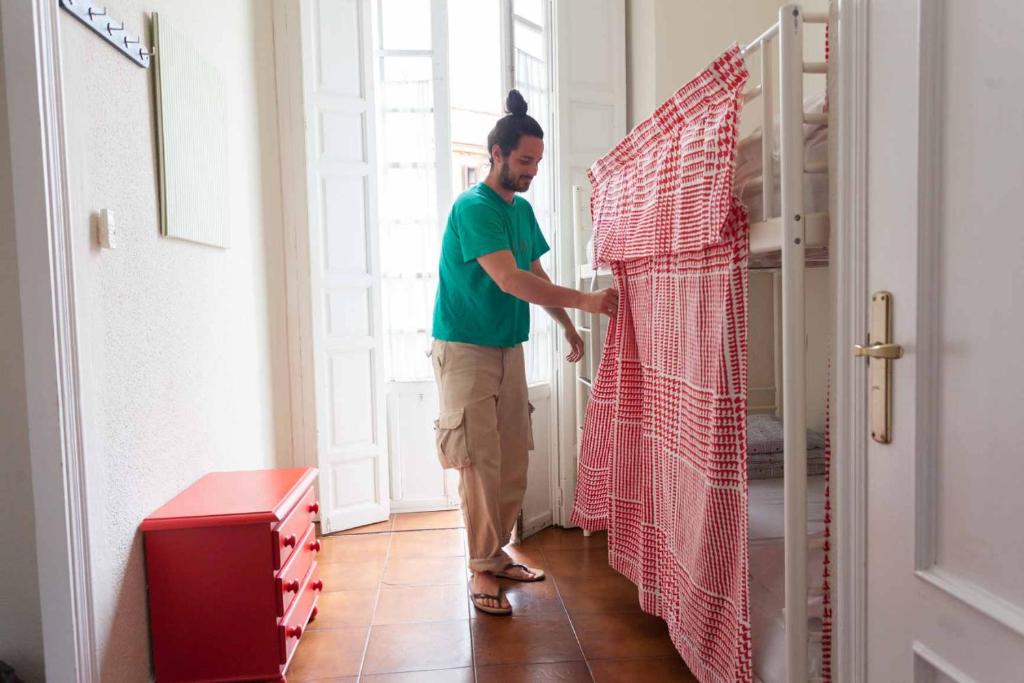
(344, 272)
(590, 68)
(945, 536)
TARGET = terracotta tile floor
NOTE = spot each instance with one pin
(395, 609)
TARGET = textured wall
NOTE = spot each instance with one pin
(182, 345)
(21, 636)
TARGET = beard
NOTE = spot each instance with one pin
(515, 184)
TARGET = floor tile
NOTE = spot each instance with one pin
(437, 676)
(442, 519)
(433, 543)
(378, 528)
(530, 555)
(648, 669)
(538, 599)
(560, 672)
(342, 576)
(416, 647)
(519, 640)
(425, 571)
(597, 594)
(408, 604)
(557, 537)
(577, 564)
(358, 548)
(323, 654)
(332, 679)
(610, 636)
(345, 608)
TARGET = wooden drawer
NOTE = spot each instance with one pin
(293, 625)
(289, 532)
(289, 579)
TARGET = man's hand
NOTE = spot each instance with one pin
(575, 342)
(604, 301)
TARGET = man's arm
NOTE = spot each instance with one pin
(559, 314)
(572, 336)
(525, 285)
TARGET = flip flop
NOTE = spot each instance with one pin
(538, 574)
(500, 611)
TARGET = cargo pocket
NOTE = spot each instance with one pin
(450, 434)
(529, 430)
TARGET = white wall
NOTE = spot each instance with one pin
(669, 42)
(21, 636)
(182, 345)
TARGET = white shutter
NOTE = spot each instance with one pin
(344, 275)
(590, 95)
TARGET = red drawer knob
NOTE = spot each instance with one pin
(314, 508)
(317, 585)
(294, 632)
(291, 587)
(312, 617)
(315, 546)
(290, 541)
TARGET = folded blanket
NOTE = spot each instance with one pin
(764, 435)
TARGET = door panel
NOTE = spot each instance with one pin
(945, 547)
(590, 68)
(344, 272)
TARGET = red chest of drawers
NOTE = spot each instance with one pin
(232, 575)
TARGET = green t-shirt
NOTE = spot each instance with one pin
(470, 308)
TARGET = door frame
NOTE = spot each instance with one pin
(46, 274)
(850, 420)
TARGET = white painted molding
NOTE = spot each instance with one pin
(849, 258)
(993, 606)
(292, 151)
(927, 662)
(929, 170)
(31, 43)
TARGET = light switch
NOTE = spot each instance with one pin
(106, 229)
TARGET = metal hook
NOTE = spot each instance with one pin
(93, 12)
(111, 28)
(128, 41)
(146, 53)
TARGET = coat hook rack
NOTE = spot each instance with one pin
(112, 30)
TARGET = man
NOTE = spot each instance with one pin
(489, 274)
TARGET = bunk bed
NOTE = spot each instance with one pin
(783, 176)
(789, 231)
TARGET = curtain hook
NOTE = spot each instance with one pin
(128, 41)
(111, 28)
(146, 53)
(93, 12)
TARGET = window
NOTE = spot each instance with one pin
(439, 72)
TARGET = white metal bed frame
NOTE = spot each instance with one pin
(791, 232)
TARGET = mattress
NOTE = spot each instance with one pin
(767, 577)
(747, 181)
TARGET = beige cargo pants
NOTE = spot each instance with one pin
(484, 431)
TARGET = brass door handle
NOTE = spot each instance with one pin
(886, 351)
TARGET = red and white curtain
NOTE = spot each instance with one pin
(663, 457)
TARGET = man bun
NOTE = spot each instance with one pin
(515, 104)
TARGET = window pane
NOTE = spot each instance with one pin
(407, 189)
(532, 10)
(529, 40)
(475, 81)
(406, 84)
(405, 24)
(474, 56)
(531, 79)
